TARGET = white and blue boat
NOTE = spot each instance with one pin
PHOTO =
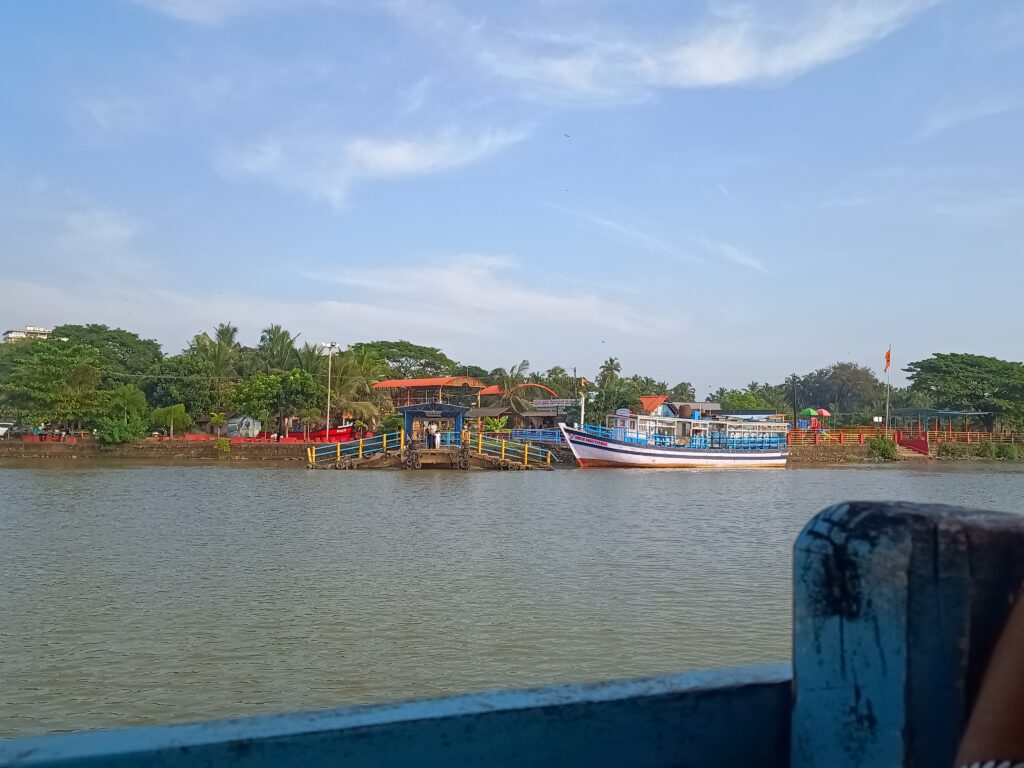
(662, 442)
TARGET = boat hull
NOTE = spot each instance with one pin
(592, 451)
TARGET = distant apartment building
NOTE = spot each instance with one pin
(30, 332)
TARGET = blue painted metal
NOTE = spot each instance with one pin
(327, 453)
(430, 412)
(895, 608)
(730, 717)
(538, 436)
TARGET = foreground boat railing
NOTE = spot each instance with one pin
(896, 608)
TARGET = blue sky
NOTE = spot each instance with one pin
(710, 191)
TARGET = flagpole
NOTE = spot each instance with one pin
(888, 386)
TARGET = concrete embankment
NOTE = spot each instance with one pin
(170, 451)
(828, 454)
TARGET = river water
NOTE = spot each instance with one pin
(132, 595)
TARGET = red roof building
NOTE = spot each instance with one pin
(650, 403)
(430, 390)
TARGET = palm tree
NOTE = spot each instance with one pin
(223, 352)
(217, 420)
(312, 360)
(309, 417)
(276, 350)
(509, 380)
(350, 387)
(610, 370)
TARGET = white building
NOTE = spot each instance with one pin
(30, 332)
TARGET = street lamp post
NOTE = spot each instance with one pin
(329, 347)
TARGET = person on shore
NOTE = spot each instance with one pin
(995, 733)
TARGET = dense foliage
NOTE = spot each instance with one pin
(121, 385)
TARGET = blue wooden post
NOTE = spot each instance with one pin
(895, 611)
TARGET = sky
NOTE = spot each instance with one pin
(715, 192)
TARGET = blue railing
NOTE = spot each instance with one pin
(538, 435)
(718, 440)
(354, 449)
(630, 436)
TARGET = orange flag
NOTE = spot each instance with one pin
(888, 359)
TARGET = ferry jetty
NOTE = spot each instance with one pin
(689, 441)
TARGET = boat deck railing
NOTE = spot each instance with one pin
(717, 440)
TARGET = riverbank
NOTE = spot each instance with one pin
(176, 452)
(151, 452)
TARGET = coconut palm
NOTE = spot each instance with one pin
(509, 379)
(610, 370)
(309, 417)
(312, 360)
(276, 351)
(217, 420)
(350, 388)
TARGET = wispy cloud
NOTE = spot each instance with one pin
(636, 238)
(98, 228)
(327, 168)
(211, 12)
(464, 285)
(738, 44)
(727, 194)
(630, 235)
(947, 119)
(119, 113)
(735, 255)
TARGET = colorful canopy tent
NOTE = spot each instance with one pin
(808, 412)
(823, 412)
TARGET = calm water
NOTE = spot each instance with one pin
(143, 595)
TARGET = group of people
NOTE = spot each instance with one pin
(432, 435)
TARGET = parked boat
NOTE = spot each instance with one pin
(635, 440)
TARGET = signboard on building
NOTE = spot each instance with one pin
(553, 405)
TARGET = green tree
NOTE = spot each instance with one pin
(509, 379)
(128, 402)
(736, 400)
(972, 383)
(610, 370)
(351, 383)
(259, 396)
(276, 351)
(119, 351)
(299, 392)
(217, 420)
(308, 417)
(225, 356)
(172, 417)
(312, 360)
(187, 379)
(52, 381)
(683, 392)
(407, 360)
(498, 424)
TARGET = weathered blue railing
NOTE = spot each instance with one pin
(630, 436)
(538, 435)
(896, 609)
(361, 448)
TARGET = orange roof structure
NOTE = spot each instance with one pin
(437, 381)
(651, 402)
(494, 389)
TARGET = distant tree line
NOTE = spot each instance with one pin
(121, 385)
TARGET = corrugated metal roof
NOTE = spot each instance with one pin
(488, 413)
(436, 381)
(650, 402)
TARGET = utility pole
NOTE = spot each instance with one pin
(329, 346)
